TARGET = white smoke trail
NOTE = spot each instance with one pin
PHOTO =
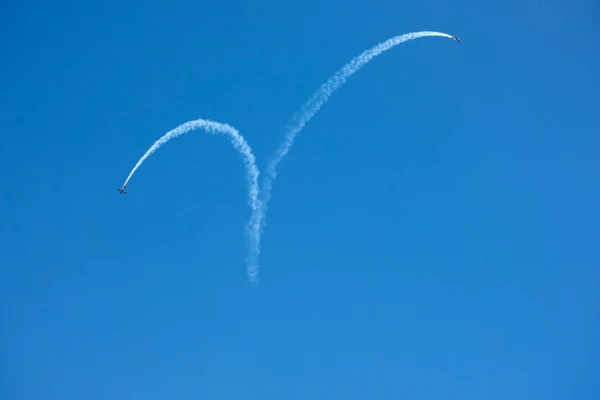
(310, 108)
(252, 173)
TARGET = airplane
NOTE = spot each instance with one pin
(122, 190)
(455, 38)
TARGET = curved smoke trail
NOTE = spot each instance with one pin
(310, 108)
(252, 173)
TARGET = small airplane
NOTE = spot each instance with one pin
(122, 190)
(456, 38)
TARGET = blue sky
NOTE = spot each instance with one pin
(432, 234)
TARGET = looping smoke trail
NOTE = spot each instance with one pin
(252, 173)
(310, 108)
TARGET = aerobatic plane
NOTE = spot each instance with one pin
(455, 38)
(122, 190)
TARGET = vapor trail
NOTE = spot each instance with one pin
(240, 144)
(310, 108)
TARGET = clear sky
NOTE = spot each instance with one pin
(433, 233)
